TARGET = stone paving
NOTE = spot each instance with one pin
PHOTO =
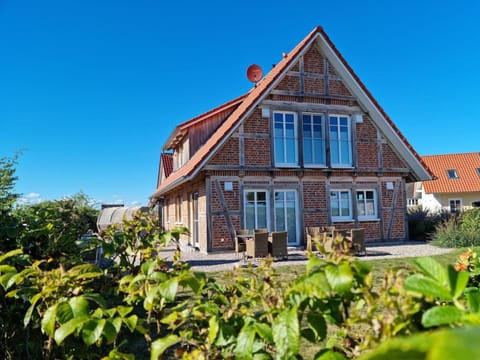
(221, 261)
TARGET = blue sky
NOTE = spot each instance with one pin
(92, 89)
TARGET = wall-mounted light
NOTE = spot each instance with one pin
(228, 186)
(265, 112)
(357, 118)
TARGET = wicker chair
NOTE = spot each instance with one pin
(277, 244)
(314, 234)
(257, 246)
(357, 238)
(240, 246)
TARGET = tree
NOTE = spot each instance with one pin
(51, 229)
(8, 198)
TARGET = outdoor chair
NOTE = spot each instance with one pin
(314, 234)
(257, 246)
(262, 230)
(240, 246)
(357, 238)
(277, 244)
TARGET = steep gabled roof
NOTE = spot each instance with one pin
(466, 167)
(257, 94)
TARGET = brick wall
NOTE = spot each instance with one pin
(228, 154)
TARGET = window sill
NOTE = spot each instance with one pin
(369, 219)
(342, 220)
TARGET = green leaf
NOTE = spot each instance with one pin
(328, 354)
(64, 312)
(410, 348)
(48, 320)
(286, 333)
(28, 315)
(313, 285)
(68, 328)
(339, 277)
(79, 306)
(456, 344)
(264, 331)
(427, 287)
(245, 341)
(473, 299)
(10, 254)
(458, 281)
(148, 267)
(316, 322)
(168, 289)
(110, 331)
(442, 315)
(124, 310)
(92, 331)
(131, 322)
(194, 282)
(160, 345)
(213, 327)
(431, 268)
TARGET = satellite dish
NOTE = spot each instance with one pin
(254, 73)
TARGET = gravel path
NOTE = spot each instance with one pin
(228, 260)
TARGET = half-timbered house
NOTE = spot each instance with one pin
(307, 146)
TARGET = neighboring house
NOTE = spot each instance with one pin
(456, 186)
(307, 146)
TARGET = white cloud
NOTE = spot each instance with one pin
(30, 198)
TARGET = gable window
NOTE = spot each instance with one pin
(341, 205)
(452, 174)
(455, 205)
(313, 140)
(340, 141)
(286, 141)
(367, 204)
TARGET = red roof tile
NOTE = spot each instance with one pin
(252, 99)
(466, 166)
(167, 163)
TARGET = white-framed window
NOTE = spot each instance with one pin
(340, 141)
(285, 138)
(286, 214)
(256, 209)
(366, 204)
(313, 140)
(455, 205)
(341, 205)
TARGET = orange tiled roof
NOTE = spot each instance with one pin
(465, 165)
(253, 98)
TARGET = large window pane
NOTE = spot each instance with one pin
(313, 140)
(286, 214)
(340, 205)
(340, 141)
(256, 209)
(286, 146)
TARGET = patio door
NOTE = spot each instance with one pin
(286, 214)
(256, 209)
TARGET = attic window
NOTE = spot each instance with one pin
(452, 174)
(478, 171)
